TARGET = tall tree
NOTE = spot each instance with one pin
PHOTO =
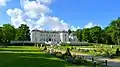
(107, 35)
(114, 31)
(8, 32)
(78, 33)
(1, 35)
(69, 31)
(95, 33)
(86, 35)
(23, 33)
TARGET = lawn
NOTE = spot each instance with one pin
(30, 57)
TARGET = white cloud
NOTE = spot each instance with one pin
(34, 9)
(14, 13)
(90, 24)
(35, 14)
(78, 27)
(45, 1)
(73, 28)
(16, 16)
(3, 2)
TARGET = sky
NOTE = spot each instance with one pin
(59, 14)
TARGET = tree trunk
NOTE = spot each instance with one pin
(23, 43)
(118, 41)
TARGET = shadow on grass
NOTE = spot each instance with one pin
(21, 50)
(30, 60)
(33, 60)
(38, 59)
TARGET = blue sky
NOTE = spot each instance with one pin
(74, 12)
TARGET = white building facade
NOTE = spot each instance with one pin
(52, 37)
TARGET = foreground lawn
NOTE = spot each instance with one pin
(30, 57)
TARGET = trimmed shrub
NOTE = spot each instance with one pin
(45, 48)
(72, 48)
(79, 60)
(67, 53)
(117, 52)
(59, 54)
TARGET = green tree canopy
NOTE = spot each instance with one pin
(1, 35)
(114, 31)
(8, 32)
(78, 33)
(95, 33)
(86, 34)
(23, 33)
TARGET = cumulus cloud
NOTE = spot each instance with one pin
(73, 28)
(34, 9)
(16, 17)
(36, 15)
(90, 24)
(3, 2)
(46, 1)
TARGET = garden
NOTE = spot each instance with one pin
(30, 56)
(111, 51)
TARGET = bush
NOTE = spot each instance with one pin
(117, 52)
(79, 60)
(45, 48)
(74, 56)
(86, 50)
(72, 48)
(67, 53)
(55, 53)
(59, 54)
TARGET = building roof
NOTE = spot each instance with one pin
(48, 31)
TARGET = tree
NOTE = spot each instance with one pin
(78, 33)
(105, 37)
(86, 35)
(69, 31)
(95, 33)
(23, 33)
(1, 35)
(114, 31)
(8, 33)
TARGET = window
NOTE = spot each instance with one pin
(65, 39)
(35, 39)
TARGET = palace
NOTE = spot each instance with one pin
(52, 37)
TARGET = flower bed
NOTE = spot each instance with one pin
(67, 56)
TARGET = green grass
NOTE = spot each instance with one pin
(30, 57)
